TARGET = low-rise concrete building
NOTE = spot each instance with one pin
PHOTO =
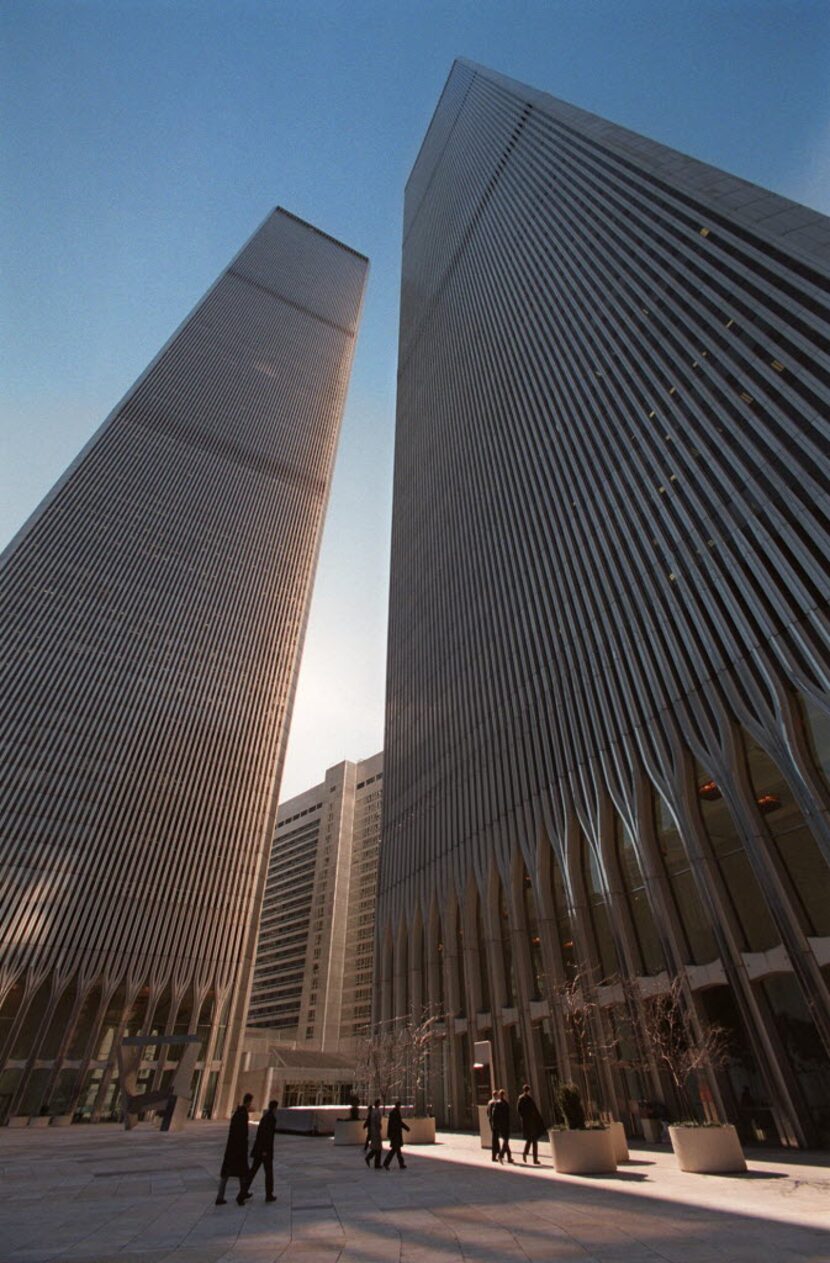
(291, 1075)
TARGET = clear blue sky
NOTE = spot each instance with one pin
(144, 140)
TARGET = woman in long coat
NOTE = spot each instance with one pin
(235, 1161)
(533, 1125)
(373, 1134)
(500, 1122)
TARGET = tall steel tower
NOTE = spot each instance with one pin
(154, 612)
(608, 716)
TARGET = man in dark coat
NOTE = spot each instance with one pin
(235, 1161)
(395, 1129)
(262, 1154)
(533, 1125)
(494, 1136)
(500, 1122)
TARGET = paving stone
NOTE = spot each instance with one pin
(147, 1198)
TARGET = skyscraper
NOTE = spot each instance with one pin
(313, 974)
(607, 751)
(154, 612)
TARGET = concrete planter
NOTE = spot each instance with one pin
(309, 1120)
(619, 1141)
(383, 1126)
(39, 1120)
(61, 1120)
(707, 1150)
(18, 1120)
(583, 1152)
(349, 1131)
(421, 1131)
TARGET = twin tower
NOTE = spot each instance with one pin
(607, 750)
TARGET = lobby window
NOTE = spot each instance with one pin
(757, 927)
(794, 843)
(483, 974)
(533, 937)
(803, 1045)
(460, 963)
(83, 1025)
(816, 721)
(510, 992)
(439, 975)
(9, 1009)
(697, 931)
(564, 929)
(599, 920)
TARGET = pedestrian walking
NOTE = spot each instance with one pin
(262, 1153)
(494, 1136)
(501, 1126)
(395, 1129)
(373, 1135)
(235, 1161)
(533, 1125)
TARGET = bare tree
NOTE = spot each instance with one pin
(676, 1046)
(393, 1058)
(416, 1037)
(574, 998)
(378, 1070)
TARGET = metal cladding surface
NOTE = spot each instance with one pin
(154, 611)
(609, 584)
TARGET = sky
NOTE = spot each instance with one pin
(144, 140)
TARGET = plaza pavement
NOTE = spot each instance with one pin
(100, 1195)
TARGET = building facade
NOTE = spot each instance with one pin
(608, 711)
(294, 1074)
(154, 612)
(313, 974)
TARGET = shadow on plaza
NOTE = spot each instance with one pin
(722, 1175)
(619, 1174)
(753, 1175)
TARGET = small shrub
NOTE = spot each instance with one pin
(570, 1103)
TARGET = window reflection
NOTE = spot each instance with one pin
(805, 1051)
(564, 930)
(794, 843)
(817, 727)
(742, 1083)
(751, 914)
